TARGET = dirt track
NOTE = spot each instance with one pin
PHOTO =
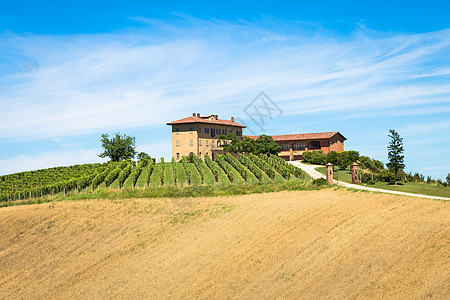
(310, 245)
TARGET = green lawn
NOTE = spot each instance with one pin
(408, 187)
(415, 188)
(341, 175)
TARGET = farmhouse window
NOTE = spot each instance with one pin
(314, 145)
(285, 147)
(191, 143)
(178, 143)
(298, 146)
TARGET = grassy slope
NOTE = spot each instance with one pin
(181, 174)
(223, 178)
(408, 187)
(308, 244)
(195, 175)
(168, 174)
(142, 180)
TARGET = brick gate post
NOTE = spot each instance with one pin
(354, 169)
(329, 172)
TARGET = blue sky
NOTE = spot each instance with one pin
(70, 72)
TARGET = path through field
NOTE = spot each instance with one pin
(286, 245)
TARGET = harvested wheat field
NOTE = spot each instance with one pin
(288, 245)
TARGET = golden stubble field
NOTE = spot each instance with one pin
(289, 245)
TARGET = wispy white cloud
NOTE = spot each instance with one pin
(93, 83)
(433, 128)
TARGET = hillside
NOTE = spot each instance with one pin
(225, 170)
(295, 245)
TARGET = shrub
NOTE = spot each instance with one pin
(315, 157)
(320, 181)
(371, 182)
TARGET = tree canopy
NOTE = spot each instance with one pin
(118, 148)
(395, 153)
(144, 156)
(263, 144)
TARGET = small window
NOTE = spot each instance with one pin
(177, 130)
(212, 144)
(191, 129)
(200, 154)
(191, 143)
(206, 143)
(206, 130)
(178, 155)
(199, 130)
(178, 143)
(225, 132)
(218, 131)
(199, 142)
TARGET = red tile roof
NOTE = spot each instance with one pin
(301, 136)
(195, 119)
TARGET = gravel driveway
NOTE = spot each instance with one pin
(310, 169)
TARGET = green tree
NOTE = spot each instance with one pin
(266, 145)
(448, 179)
(118, 148)
(144, 155)
(332, 157)
(395, 153)
(230, 142)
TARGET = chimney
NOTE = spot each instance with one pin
(193, 114)
(198, 115)
(217, 117)
(232, 119)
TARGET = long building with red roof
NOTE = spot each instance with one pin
(294, 145)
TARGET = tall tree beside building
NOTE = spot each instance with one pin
(118, 148)
(266, 145)
(395, 153)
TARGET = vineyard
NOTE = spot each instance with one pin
(224, 170)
